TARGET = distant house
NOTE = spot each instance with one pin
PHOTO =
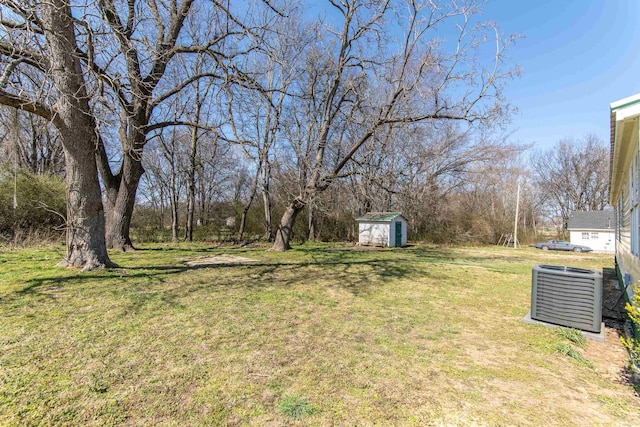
(595, 229)
(624, 185)
(382, 229)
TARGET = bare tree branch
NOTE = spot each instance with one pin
(28, 105)
(171, 123)
(28, 57)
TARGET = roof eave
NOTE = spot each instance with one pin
(623, 112)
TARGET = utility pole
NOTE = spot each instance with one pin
(515, 226)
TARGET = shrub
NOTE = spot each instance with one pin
(41, 204)
(632, 342)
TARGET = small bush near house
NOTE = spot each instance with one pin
(632, 343)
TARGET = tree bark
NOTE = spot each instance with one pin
(285, 230)
(268, 223)
(191, 184)
(247, 206)
(266, 200)
(173, 195)
(120, 199)
(86, 247)
(243, 218)
(312, 223)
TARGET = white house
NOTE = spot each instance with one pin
(382, 229)
(595, 229)
(624, 186)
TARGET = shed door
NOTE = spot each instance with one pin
(398, 234)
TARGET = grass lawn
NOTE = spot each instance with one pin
(319, 335)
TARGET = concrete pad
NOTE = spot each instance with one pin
(591, 335)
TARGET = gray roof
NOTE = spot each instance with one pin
(592, 220)
(380, 216)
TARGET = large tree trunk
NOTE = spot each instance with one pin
(285, 230)
(312, 223)
(243, 218)
(268, 223)
(86, 247)
(247, 206)
(120, 200)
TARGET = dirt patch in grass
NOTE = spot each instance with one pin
(610, 358)
(218, 260)
(366, 248)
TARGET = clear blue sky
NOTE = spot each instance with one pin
(577, 56)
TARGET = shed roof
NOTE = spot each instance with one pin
(380, 216)
(592, 220)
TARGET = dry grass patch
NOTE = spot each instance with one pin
(218, 260)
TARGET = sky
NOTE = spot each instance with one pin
(577, 56)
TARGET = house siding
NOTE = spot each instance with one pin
(625, 197)
(628, 263)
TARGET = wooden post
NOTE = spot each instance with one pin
(515, 227)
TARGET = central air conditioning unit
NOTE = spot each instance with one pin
(567, 296)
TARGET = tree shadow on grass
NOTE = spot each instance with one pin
(358, 273)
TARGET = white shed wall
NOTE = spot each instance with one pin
(373, 233)
(598, 240)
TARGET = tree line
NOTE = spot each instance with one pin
(199, 110)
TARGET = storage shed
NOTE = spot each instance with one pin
(382, 229)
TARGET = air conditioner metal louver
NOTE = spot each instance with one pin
(567, 296)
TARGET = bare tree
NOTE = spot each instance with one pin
(39, 38)
(128, 47)
(255, 115)
(202, 90)
(362, 79)
(137, 51)
(573, 176)
(154, 183)
(30, 143)
(170, 147)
